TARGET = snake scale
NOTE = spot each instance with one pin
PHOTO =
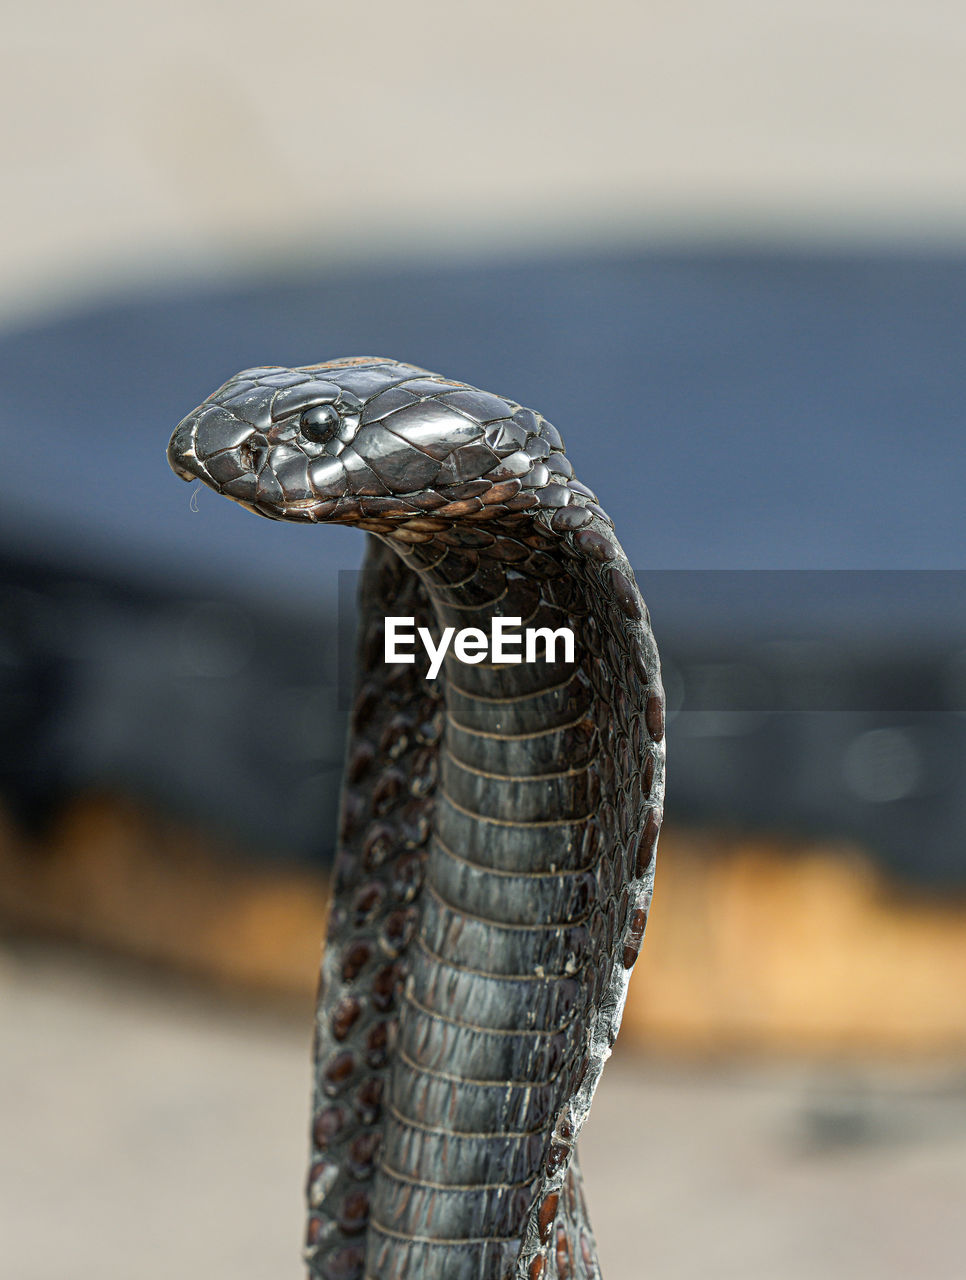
(498, 827)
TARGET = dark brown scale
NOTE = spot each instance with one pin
(564, 1256)
(430, 730)
(654, 716)
(389, 788)
(595, 545)
(626, 593)
(427, 501)
(367, 1100)
(635, 937)
(524, 501)
(338, 1073)
(327, 1126)
(516, 465)
(568, 518)
(378, 845)
(537, 1267)
(377, 1045)
(383, 989)
(455, 492)
(367, 902)
(362, 1153)
(633, 796)
(531, 422)
(398, 930)
(354, 960)
(316, 1171)
(551, 435)
(415, 824)
(461, 508)
(630, 858)
(360, 763)
(648, 841)
(354, 1213)
(501, 491)
(424, 772)
(345, 1016)
(553, 495)
(641, 666)
(395, 736)
(559, 464)
(508, 550)
(407, 877)
(647, 777)
(548, 1211)
(581, 1074)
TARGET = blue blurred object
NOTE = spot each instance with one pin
(736, 411)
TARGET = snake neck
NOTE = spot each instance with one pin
(520, 802)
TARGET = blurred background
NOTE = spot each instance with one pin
(724, 241)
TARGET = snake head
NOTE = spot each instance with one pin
(362, 440)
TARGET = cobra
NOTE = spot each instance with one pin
(499, 823)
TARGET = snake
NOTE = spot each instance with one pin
(499, 820)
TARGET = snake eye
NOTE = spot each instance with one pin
(317, 423)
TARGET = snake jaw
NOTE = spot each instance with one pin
(183, 473)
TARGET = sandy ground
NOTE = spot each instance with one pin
(152, 1131)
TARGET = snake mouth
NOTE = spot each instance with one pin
(183, 473)
(302, 504)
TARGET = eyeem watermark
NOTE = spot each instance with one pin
(505, 643)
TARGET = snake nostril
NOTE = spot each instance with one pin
(253, 452)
